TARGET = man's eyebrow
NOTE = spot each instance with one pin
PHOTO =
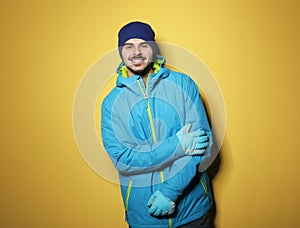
(141, 43)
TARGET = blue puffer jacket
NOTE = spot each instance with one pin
(139, 126)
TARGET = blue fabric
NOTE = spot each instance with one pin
(126, 132)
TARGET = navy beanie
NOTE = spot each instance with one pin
(139, 30)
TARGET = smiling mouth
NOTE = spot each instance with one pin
(137, 60)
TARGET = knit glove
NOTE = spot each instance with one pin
(193, 143)
(159, 205)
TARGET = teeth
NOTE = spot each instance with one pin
(137, 60)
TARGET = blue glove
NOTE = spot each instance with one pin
(193, 143)
(159, 205)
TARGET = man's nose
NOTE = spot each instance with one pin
(137, 50)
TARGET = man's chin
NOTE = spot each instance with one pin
(140, 71)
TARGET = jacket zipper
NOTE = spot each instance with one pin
(145, 93)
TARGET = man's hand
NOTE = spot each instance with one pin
(159, 205)
(193, 143)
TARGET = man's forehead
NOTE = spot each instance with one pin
(135, 41)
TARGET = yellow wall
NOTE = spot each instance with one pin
(252, 47)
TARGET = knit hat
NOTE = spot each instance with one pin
(139, 30)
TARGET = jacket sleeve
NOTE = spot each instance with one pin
(185, 168)
(131, 157)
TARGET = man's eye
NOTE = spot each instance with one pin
(145, 45)
(128, 46)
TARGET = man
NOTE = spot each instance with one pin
(155, 130)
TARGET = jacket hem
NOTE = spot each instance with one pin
(176, 223)
(192, 218)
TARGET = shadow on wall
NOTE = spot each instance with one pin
(218, 169)
(212, 172)
(222, 164)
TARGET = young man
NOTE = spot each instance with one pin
(155, 130)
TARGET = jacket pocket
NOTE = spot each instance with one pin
(127, 198)
(203, 181)
(204, 186)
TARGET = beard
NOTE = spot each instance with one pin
(142, 72)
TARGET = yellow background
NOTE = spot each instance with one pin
(252, 47)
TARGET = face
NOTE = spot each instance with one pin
(137, 55)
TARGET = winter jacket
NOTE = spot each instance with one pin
(139, 124)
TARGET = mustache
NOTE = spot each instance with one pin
(137, 57)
